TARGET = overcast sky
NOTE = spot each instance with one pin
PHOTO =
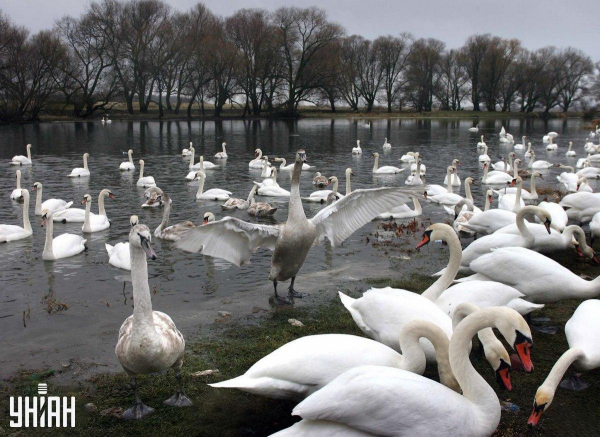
(537, 23)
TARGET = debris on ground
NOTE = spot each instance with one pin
(296, 323)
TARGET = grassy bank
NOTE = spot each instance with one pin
(233, 348)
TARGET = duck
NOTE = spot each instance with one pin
(480, 293)
(173, 232)
(13, 232)
(357, 150)
(551, 146)
(386, 145)
(149, 342)
(325, 357)
(494, 241)
(118, 255)
(211, 194)
(428, 407)
(521, 145)
(77, 215)
(260, 209)
(403, 211)
(386, 169)
(484, 157)
(17, 192)
(145, 181)
(223, 153)
(538, 165)
(93, 222)
(290, 167)
(582, 332)
(292, 240)
(257, 161)
(63, 246)
(474, 128)
(23, 160)
(499, 178)
(571, 153)
(319, 180)
(581, 206)
(187, 152)
(52, 205)
(234, 203)
(81, 172)
(128, 165)
(481, 144)
(539, 278)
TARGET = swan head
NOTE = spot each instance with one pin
(349, 172)
(517, 333)
(425, 195)
(86, 199)
(134, 220)
(497, 355)
(490, 197)
(517, 162)
(331, 198)
(436, 231)
(18, 173)
(130, 152)
(28, 146)
(36, 186)
(141, 162)
(86, 155)
(318, 174)
(332, 180)
(512, 154)
(140, 236)
(257, 153)
(301, 155)
(537, 174)
(375, 155)
(543, 398)
(358, 143)
(456, 163)
(107, 192)
(200, 175)
(469, 180)
(46, 215)
(208, 218)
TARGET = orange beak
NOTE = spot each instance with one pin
(490, 199)
(205, 221)
(524, 351)
(504, 378)
(83, 201)
(426, 239)
(112, 196)
(536, 414)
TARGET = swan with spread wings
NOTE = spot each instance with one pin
(235, 240)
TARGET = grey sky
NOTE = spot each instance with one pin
(536, 23)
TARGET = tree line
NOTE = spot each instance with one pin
(143, 52)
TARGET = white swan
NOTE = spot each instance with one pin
(270, 180)
(455, 178)
(257, 161)
(568, 178)
(581, 206)
(22, 160)
(118, 255)
(525, 195)
(539, 278)
(481, 144)
(529, 151)
(323, 358)
(551, 146)
(415, 177)
(559, 215)
(266, 169)
(52, 205)
(502, 132)
(386, 145)
(77, 215)
(386, 169)
(93, 222)
(582, 331)
(497, 178)
(148, 341)
(13, 232)
(128, 165)
(173, 232)
(357, 150)
(79, 171)
(538, 165)
(427, 407)
(415, 166)
(488, 222)
(521, 145)
(200, 165)
(589, 172)
(211, 194)
(583, 186)
(409, 157)
(512, 202)
(484, 157)
(403, 211)
(594, 228)
(63, 246)
(222, 154)
(572, 237)
(571, 153)
(145, 181)
(320, 196)
(17, 192)
(235, 203)
(432, 190)
(290, 167)
(486, 244)
(187, 152)
(501, 166)
(474, 128)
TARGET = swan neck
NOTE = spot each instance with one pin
(38, 201)
(49, 234)
(130, 153)
(487, 203)
(468, 194)
(19, 180)
(449, 173)
(200, 187)
(101, 210)
(444, 281)
(26, 223)
(296, 211)
(518, 196)
(376, 163)
(521, 226)
(166, 214)
(348, 187)
(192, 158)
(336, 184)
(532, 188)
(85, 162)
(251, 194)
(29, 151)
(143, 319)
(142, 167)
(88, 208)
(417, 205)
(485, 173)
(560, 368)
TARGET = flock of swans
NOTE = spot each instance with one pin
(363, 386)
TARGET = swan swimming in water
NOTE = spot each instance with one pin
(173, 232)
(128, 165)
(145, 181)
(22, 160)
(81, 171)
(92, 222)
(17, 192)
(223, 153)
(118, 255)
(63, 246)
(13, 232)
(235, 240)
(52, 205)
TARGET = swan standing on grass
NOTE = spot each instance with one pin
(145, 181)
(173, 232)
(52, 205)
(234, 203)
(81, 172)
(235, 240)
(13, 232)
(357, 150)
(386, 145)
(582, 331)
(118, 255)
(92, 222)
(257, 161)
(222, 154)
(571, 153)
(323, 358)
(211, 194)
(77, 215)
(149, 341)
(22, 160)
(386, 169)
(17, 192)
(128, 165)
(63, 246)
(402, 403)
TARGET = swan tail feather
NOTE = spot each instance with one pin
(348, 302)
(269, 387)
(109, 248)
(68, 205)
(524, 307)
(475, 277)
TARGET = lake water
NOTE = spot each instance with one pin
(189, 288)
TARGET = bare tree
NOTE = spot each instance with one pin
(576, 67)
(474, 52)
(453, 84)
(369, 71)
(423, 73)
(348, 77)
(393, 53)
(499, 56)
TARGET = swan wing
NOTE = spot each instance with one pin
(231, 239)
(342, 218)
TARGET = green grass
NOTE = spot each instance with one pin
(235, 347)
